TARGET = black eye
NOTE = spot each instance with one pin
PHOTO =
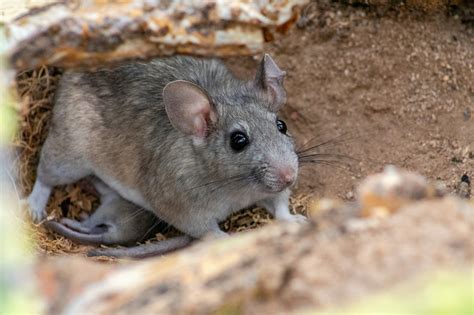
(238, 141)
(281, 126)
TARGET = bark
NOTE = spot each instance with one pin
(342, 255)
(95, 33)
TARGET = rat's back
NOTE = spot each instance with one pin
(114, 121)
(130, 96)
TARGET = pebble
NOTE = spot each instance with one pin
(349, 195)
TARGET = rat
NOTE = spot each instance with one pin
(180, 137)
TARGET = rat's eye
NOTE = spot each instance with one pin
(238, 140)
(281, 126)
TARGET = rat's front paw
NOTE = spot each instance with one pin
(36, 214)
(215, 234)
(298, 218)
(293, 218)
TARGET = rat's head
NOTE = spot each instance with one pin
(235, 129)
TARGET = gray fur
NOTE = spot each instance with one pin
(113, 124)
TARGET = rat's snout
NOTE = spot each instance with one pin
(281, 172)
(286, 175)
(280, 177)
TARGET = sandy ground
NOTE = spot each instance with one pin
(399, 88)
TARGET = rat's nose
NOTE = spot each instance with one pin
(286, 175)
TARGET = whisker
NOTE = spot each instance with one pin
(328, 163)
(241, 179)
(301, 148)
(249, 163)
(330, 155)
(228, 180)
(133, 215)
(341, 139)
(335, 161)
(151, 228)
(219, 181)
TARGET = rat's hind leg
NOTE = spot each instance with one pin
(38, 199)
(115, 222)
(57, 166)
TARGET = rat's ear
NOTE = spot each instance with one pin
(269, 78)
(189, 108)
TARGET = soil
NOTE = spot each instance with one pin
(398, 88)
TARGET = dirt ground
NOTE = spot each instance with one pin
(398, 87)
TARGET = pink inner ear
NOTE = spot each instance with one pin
(200, 119)
(189, 108)
(200, 127)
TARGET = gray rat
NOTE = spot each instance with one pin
(180, 137)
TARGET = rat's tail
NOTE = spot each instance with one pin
(144, 250)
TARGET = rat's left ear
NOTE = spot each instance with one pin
(189, 108)
(269, 78)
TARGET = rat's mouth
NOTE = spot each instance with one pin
(270, 183)
(275, 187)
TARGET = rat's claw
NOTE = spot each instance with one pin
(298, 218)
(84, 216)
(36, 214)
(286, 216)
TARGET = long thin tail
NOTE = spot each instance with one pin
(144, 250)
(76, 236)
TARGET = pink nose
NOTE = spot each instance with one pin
(286, 175)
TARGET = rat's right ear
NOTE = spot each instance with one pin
(189, 108)
(269, 79)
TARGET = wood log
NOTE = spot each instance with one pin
(285, 267)
(96, 33)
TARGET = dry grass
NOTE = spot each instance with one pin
(36, 94)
